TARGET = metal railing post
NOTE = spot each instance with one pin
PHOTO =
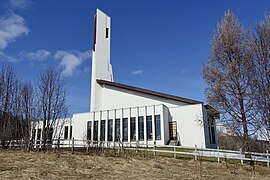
(240, 152)
(87, 148)
(154, 148)
(267, 156)
(174, 150)
(195, 152)
(218, 154)
(72, 145)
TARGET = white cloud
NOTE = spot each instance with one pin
(6, 58)
(12, 26)
(38, 55)
(19, 4)
(70, 60)
(137, 72)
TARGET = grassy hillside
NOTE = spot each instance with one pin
(40, 165)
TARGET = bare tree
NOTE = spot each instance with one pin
(8, 87)
(27, 111)
(227, 77)
(261, 75)
(51, 93)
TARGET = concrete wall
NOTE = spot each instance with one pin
(80, 124)
(189, 125)
(113, 98)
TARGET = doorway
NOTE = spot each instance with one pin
(173, 130)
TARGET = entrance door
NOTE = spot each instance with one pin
(173, 130)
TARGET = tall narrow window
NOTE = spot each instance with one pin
(133, 129)
(66, 132)
(209, 133)
(117, 130)
(95, 32)
(141, 128)
(38, 136)
(125, 129)
(110, 129)
(107, 32)
(50, 137)
(89, 130)
(70, 133)
(95, 136)
(213, 135)
(102, 130)
(157, 127)
(149, 128)
(34, 135)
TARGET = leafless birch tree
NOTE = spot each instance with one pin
(51, 93)
(261, 75)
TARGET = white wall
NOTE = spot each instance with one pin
(113, 98)
(80, 125)
(189, 125)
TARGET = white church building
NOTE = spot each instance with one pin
(123, 113)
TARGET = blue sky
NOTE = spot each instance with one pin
(157, 45)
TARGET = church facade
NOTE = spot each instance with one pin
(123, 113)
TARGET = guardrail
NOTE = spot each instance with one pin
(174, 150)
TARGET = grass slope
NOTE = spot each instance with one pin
(40, 165)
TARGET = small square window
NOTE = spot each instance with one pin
(107, 32)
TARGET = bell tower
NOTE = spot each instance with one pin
(101, 66)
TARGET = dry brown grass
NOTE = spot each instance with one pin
(40, 165)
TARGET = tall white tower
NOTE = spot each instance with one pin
(101, 67)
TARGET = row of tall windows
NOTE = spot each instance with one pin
(39, 131)
(126, 124)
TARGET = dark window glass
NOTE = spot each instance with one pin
(107, 32)
(102, 130)
(34, 134)
(117, 129)
(149, 128)
(89, 130)
(66, 132)
(95, 32)
(50, 136)
(213, 135)
(125, 129)
(70, 133)
(38, 136)
(95, 131)
(141, 128)
(209, 133)
(110, 129)
(157, 127)
(133, 129)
